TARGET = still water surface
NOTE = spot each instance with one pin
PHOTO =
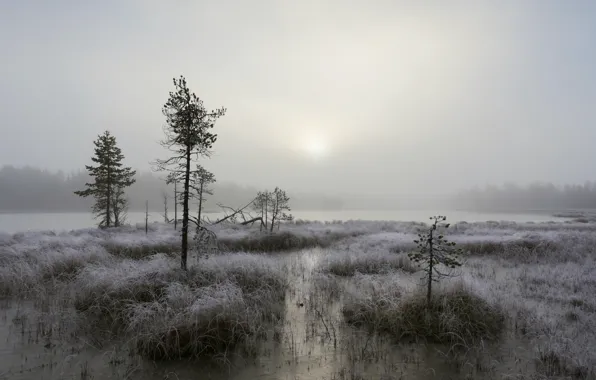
(11, 223)
(40, 340)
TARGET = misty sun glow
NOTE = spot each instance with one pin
(316, 147)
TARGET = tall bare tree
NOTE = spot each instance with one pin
(258, 205)
(146, 217)
(201, 180)
(280, 203)
(169, 180)
(110, 180)
(166, 198)
(262, 204)
(175, 205)
(187, 137)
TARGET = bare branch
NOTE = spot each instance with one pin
(235, 212)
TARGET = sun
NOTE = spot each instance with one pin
(316, 148)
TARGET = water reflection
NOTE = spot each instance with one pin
(46, 340)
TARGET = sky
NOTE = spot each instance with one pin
(337, 97)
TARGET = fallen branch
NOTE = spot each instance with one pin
(235, 212)
(253, 220)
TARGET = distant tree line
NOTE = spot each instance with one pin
(30, 189)
(534, 197)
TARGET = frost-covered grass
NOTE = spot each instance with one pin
(373, 262)
(171, 313)
(277, 241)
(33, 260)
(540, 276)
(552, 303)
(541, 280)
(454, 316)
(25, 270)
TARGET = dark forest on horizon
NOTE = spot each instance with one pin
(29, 189)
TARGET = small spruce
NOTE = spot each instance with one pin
(435, 250)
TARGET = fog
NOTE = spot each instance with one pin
(30, 189)
(340, 98)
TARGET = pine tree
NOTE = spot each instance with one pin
(434, 250)
(187, 136)
(110, 180)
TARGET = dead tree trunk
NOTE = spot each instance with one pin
(166, 219)
(251, 221)
(185, 214)
(236, 212)
(175, 204)
(200, 204)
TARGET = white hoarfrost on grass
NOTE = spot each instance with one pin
(25, 268)
(551, 303)
(542, 276)
(195, 321)
(170, 313)
(349, 263)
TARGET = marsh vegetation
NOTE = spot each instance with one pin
(336, 300)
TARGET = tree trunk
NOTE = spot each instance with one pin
(185, 216)
(200, 204)
(430, 268)
(166, 219)
(175, 204)
(253, 220)
(232, 214)
(262, 214)
(146, 217)
(274, 212)
(266, 209)
(273, 215)
(116, 214)
(108, 197)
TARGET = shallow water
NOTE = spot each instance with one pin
(45, 340)
(12, 223)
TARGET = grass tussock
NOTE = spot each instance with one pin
(171, 313)
(194, 322)
(521, 251)
(254, 241)
(499, 248)
(375, 262)
(142, 250)
(26, 272)
(277, 241)
(454, 316)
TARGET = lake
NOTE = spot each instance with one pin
(11, 223)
